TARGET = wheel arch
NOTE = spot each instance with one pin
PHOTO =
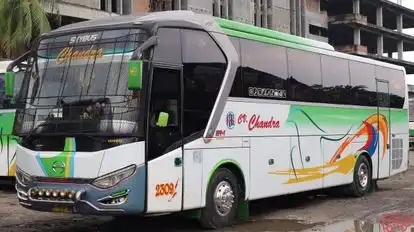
(368, 157)
(235, 168)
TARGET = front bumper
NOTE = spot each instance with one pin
(128, 197)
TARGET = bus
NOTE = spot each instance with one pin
(175, 111)
(410, 86)
(8, 142)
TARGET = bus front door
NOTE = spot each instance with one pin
(164, 144)
(383, 111)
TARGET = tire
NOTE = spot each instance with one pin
(212, 216)
(362, 183)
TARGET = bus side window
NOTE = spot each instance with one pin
(204, 69)
(264, 68)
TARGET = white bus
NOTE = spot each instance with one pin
(178, 111)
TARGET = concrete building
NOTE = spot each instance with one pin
(80, 10)
(372, 28)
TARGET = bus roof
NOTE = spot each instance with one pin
(190, 19)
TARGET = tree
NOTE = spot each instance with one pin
(22, 21)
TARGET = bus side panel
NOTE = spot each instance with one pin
(193, 177)
(202, 157)
(399, 144)
(164, 186)
(8, 144)
(269, 155)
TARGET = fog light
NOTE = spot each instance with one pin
(40, 193)
(47, 193)
(63, 194)
(55, 194)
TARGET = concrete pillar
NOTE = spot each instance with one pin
(258, 13)
(356, 7)
(108, 4)
(380, 45)
(216, 9)
(304, 23)
(357, 36)
(298, 18)
(265, 14)
(292, 8)
(400, 49)
(379, 16)
(226, 9)
(126, 7)
(177, 5)
(119, 5)
(400, 23)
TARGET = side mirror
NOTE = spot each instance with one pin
(162, 120)
(10, 84)
(135, 68)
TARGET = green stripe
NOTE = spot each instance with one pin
(248, 31)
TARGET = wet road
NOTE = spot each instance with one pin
(389, 209)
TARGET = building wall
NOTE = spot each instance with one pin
(140, 6)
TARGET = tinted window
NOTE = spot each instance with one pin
(264, 70)
(204, 69)
(237, 88)
(363, 91)
(305, 80)
(168, 47)
(396, 85)
(335, 80)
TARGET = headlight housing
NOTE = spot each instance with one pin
(22, 177)
(111, 179)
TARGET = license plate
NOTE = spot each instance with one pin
(62, 210)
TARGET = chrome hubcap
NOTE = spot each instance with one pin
(363, 175)
(223, 198)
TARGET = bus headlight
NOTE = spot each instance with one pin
(113, 178)
(22, 177)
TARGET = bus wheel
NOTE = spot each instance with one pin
(222, 202)
(362, 178)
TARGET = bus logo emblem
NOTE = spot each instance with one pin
(230, 120)
(58, 165)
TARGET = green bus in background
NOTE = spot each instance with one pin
(8, 142)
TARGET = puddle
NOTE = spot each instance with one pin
(276, 225)
(388, 222)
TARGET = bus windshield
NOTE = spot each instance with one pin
(78, 84)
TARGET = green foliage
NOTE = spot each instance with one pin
(22, 21)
